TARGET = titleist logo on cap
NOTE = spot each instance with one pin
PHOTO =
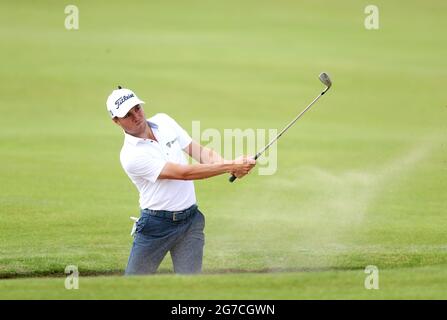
(121, 100)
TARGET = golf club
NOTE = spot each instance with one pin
(324, 78)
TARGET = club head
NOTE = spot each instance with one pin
(324, 77)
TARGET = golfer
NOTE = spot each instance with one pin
(153, 158)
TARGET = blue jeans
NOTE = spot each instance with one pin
(158, 232)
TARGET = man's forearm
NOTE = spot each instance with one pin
(209, 156)
(195, 171)
(206, 170)
(202, 154)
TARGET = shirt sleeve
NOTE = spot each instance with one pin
(183, 137)
(145, 167)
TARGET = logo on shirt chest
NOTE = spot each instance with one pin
(170, 143)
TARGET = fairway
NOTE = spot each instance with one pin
(402, 283)
(361, 178)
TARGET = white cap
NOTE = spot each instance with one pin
(121, 101)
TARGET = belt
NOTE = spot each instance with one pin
(171, 215)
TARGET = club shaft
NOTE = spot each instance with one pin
(232, 178)
(288, 126)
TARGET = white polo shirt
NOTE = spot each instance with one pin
(143, 160)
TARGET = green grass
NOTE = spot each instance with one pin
(360, 179)
(413, 283)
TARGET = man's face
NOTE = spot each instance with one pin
(134, 122)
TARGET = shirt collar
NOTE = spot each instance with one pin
(135, 140)
(152, 124)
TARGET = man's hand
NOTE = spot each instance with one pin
(242, 166)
